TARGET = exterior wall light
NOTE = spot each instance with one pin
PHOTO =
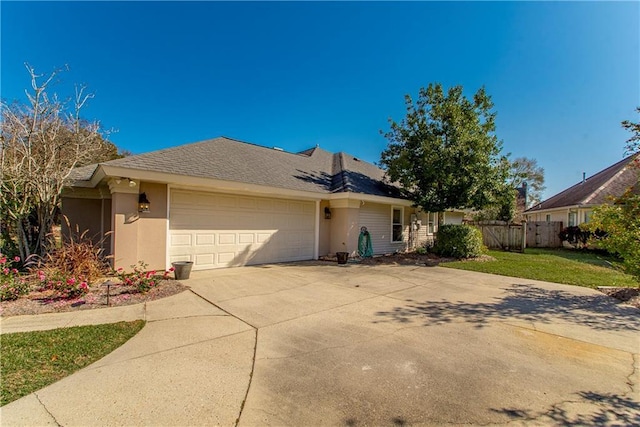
(143, 203)
(327, 213)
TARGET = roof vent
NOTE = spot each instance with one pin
(278, 148)
(584, 177)
(356, 159)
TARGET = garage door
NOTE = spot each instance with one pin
(221, 230)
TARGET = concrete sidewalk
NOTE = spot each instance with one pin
(190, 365)
(321, 344)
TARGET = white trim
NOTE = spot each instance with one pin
(346, 203)
(432, 223)
(126, 186)
(204, 184)
(168, 230)
(370, 198)
(316, 248)
(401, 208)
(102, 225)
(221, 186)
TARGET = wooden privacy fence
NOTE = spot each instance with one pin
(516, 237)
(501, 235)
(542, 234)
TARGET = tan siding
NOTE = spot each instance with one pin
(453, 217)
(377, 218)
(422, 233)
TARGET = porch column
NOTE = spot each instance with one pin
(345, 220)
(124, 214)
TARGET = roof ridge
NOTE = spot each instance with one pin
(344, 176)
(607, 182)
(617, 169)
(217, 138)
(273, 148)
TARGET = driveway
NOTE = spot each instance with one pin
(398, 345)
(322, 344)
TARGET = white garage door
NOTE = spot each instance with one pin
(221, 230)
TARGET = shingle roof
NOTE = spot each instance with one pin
(597, 189)
(314, 170)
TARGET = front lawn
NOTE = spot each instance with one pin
(32, 360)
(572, 267)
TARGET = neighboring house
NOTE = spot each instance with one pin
(223, 202)
(574, 205)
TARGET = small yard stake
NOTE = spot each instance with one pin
(108, 285)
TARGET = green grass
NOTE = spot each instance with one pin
(571, 267)
(32, 360)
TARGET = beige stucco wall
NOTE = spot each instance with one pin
(152, 227)
(90, 215)
(124, 240)
(140, 236)
(324, 237)
(344, 230)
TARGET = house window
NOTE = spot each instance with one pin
(587, 216)
(573, 219)
(431, 222)
(548, 217)
(396, 224)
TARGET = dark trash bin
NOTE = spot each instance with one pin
(342, 257)
(182, 269)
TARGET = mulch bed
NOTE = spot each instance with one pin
(39, 302)
(43, 301)
(629, 296)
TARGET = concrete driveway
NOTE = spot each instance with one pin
(403, 345)
(320, 344)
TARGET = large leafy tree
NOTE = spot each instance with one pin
(42, 140)
(620, 221)
(445, 153)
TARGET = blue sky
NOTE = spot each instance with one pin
(562, 75)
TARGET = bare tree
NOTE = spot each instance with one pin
(42, 140)
(633, 143)
(525, 170)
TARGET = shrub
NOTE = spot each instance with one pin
(578, 236)
(574, 235)
(64, 286)
(140, 278)
(458, 241)
(68, 270)
(12, 286)
(77, 257)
